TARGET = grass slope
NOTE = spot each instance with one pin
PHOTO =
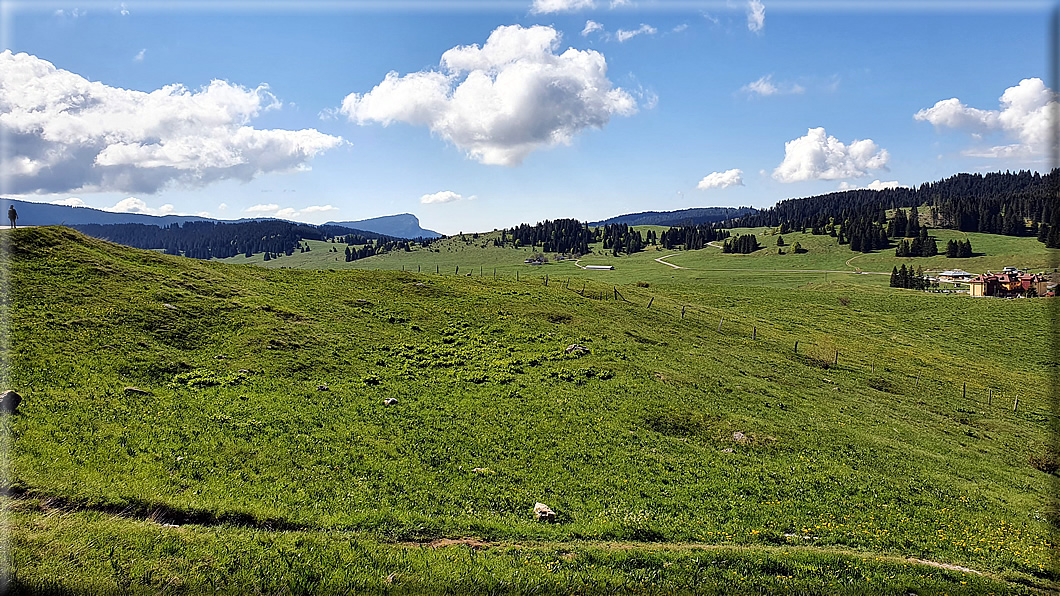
(842, 473)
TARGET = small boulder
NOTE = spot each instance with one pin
(577, 349)
(136, 391)
(728, 450)
(390, 401)
(9, 401)
(244, 371)
(543, 513)
(322, 387)
(219, 357)
(739, 437)
(169, 306)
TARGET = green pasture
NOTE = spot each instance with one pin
(691, 446)
(824, 260)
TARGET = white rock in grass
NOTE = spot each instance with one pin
(390, 401)
(543, 513)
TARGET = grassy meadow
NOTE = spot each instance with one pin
(193, 426)
(824, 260)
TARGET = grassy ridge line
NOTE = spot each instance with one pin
(634, 456)
(57, 553)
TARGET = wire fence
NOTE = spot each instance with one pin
(885, 371)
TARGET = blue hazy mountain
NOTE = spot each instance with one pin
(46, 214)
(696, 215)
(405, 225)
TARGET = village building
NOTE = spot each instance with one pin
(1007, 284)
(955, 276)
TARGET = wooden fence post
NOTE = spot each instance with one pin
(719, 324)
(796, 347)
(836, 363)
(989, 397)
(754, 333)
(417, 268)
(650, 301)
(583, 289)
(964, 391)
(458, 269)
(1016, 404)
(436, 269)
(616, 292)
(682, 312)
(494, 273)
(917, 384)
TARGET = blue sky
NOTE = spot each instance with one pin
(480, 115)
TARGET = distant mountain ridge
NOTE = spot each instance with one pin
(695, 215)
(48, 214)
(403, 225)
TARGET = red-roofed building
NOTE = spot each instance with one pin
(1007, 284)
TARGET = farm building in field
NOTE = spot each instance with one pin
(956, 276)
(1007, 284)
(600, 267)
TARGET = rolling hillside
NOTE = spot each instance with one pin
(193, 425)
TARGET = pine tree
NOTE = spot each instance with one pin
(951, 249)
(895, 280)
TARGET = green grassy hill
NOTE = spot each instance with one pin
(689, 448)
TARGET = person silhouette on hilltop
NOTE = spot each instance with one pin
(12, 215)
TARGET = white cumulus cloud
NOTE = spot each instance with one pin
(69, 202)
(135, 205)
(550, 6)
(765, 87)
(262, 208)
(623, 35)
(590, 27)
(69, 133)
(724, 179)
(501, 101)
(1028, 115)
(874, 185)
(756, 16)
(818, 156)
(444, 196)
(319, 209)
(274, 210)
